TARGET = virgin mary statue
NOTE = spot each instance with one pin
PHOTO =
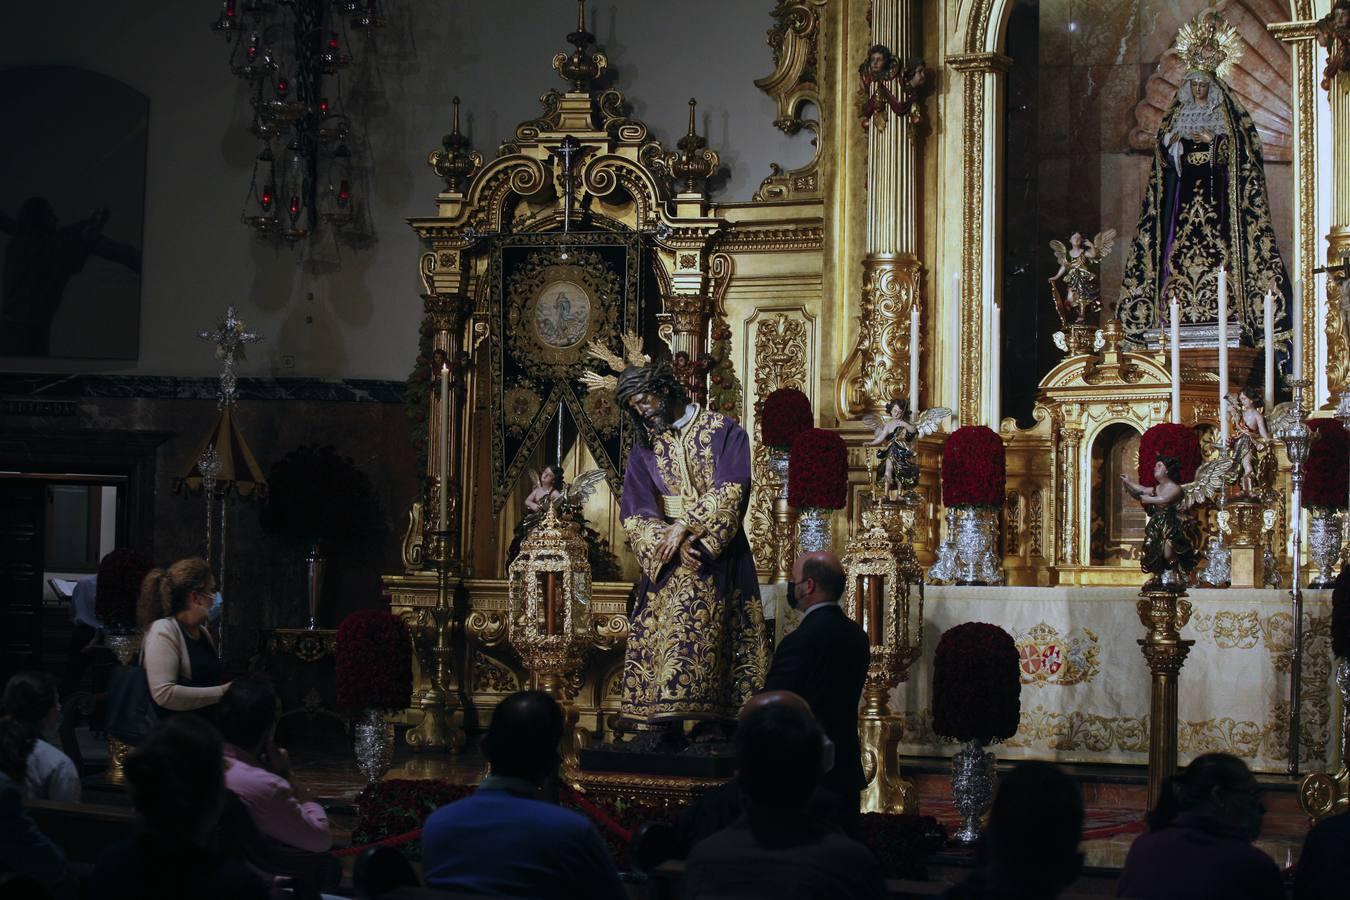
(1206, 208)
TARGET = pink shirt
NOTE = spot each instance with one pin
(272, 804)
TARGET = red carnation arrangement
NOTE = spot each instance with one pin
(1340, 614)
(120, 574)
(1327, 478)
(977, 685)
(818, 470)
(785, 414)
(374, 661)
(1177, 441)
(974, 468)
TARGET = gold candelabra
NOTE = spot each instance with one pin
(883, 593)
(437, 730)
(1163, 611)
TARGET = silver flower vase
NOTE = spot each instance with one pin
(1324, 545)
(977, 559)
(373, 741)
(814, 529)
(973, 784)
(943, 570)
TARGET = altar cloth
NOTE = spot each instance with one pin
(1085, 682)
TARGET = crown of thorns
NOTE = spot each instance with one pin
(633, 358)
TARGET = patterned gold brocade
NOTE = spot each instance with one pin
(716, 517)
(644, 535)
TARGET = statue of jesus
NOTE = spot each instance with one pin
(696, 642)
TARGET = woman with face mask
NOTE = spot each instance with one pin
(176, 604)
(1200, 838)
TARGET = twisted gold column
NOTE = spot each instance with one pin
(1162, 612)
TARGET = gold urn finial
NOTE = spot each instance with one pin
(694, 161)
(456, 161)
(581, 67)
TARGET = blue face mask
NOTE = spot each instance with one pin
(217, 607)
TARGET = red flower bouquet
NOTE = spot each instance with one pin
(1328, 456)
(786, 412)
(818, 470)
(1177, 441)
(977, 686)
(374, 661)
(1340, 614)
(120, 574)
(974, 469)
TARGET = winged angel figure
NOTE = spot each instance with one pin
(550, 489)
(1078, 266)
(897, 464)
(1172, 537)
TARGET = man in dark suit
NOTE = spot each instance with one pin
(825, 661)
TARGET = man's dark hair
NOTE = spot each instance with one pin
(1172, 465)
(778, 755)
(1192, 788)
(17, 738)
(522, 739)
(1031, 843)
(177, 776)
(654, 378)
(29, 696)
(246, 712)
(829, 579)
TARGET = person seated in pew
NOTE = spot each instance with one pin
(24, 850)
(259, 773)
(1323, 871)
(1029, 849)
(779, 849)
(31, 698)
(177, 780)
(509, 838)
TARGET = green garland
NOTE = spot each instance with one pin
(724, 388)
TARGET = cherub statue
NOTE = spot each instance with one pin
(552, 490)
(1250, 444)
(881, 77)
(898, 465)
(1078, 264)
(1172, 538)
(1333, 32)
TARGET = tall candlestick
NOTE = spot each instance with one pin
(443, 435)
(1296, 310)
(954, 343)
(914, 359)
(1268, 325)
(995, 361)
(1223, 357)
(1176, 361)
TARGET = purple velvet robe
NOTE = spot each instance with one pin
(696, 641)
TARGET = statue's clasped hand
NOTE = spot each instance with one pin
(670, 544)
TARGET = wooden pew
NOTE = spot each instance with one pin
(82, 830)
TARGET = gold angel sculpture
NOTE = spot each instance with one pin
(1078, 266)
(1253, 451)
(551, 490)
(897, 464)
(1172, 537)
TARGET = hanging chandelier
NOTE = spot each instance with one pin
(292, 54)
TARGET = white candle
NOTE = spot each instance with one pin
(914, 360)
(1176, 361)
(1223, 357)
(1268, 325)
(995, 360)
(443, 435)
(954, 342)
(1296, 310)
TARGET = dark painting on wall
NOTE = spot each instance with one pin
(72, 209)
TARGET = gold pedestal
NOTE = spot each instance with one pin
(439, 728)
(1321, 794)
(881, 576)
(124, 645)
(1249, 543)
(1162, 612)
(118, 752)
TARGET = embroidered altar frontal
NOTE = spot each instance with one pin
(1085, 683)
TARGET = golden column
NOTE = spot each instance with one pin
(1162, 612)
(446, 315)
(878, 367)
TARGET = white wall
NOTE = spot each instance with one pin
(356, 315)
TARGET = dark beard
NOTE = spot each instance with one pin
(657, 423)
